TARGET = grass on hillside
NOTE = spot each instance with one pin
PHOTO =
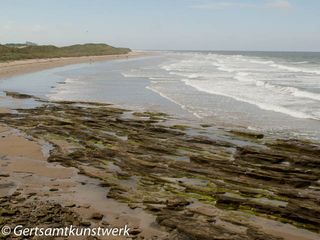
(9, 53)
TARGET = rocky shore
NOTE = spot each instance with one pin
(166, 181)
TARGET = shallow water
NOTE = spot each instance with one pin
(264, 91)
(259, 90)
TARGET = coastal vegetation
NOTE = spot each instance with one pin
(11, 52)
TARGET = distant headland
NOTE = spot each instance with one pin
(29, 50)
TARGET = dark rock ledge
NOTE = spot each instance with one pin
(197, 187)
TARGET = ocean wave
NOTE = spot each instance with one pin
(128, 75)
(242, 77)
(264, 106)
(245, 77)
(73, 81)
(301, 62)
(224, 67)
(174, 101)
(289, 90)
(295, 69)
(262, 62)
(223, 64)
(263, 82)
(190, 75)
(287, 68)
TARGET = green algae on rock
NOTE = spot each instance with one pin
(170, 173)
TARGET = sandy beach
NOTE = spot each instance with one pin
(92, 164)
(9, 69)
(210, 131)
(25, 171)
(34, 186)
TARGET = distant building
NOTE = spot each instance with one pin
(21, 45)
(31, 44)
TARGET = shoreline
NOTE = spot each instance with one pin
(14, 68)
(116, 169)
(221, 119)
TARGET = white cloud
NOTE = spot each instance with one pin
(279, 5)
(221, 5)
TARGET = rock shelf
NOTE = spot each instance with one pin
(196, 186)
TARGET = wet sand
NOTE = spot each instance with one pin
(119, 168)
(4, 110)
(26, 173)
(111, 167)
(9, 69)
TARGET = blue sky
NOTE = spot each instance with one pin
(166, 24)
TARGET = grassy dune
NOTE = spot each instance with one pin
(9, 53)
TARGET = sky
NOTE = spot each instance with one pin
(264, 25)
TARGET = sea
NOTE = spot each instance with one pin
(276, 92)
